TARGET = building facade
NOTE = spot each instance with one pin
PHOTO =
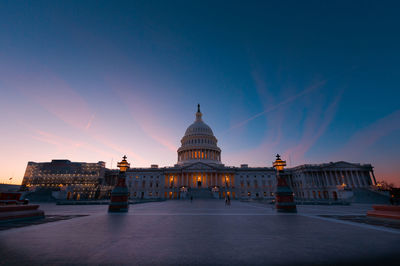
(200, 172)
(69, 180)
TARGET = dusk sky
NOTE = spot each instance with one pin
(316, 81)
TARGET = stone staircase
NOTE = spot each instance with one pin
(369, 196)
(202, 193)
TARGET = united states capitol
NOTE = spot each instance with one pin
(199, 171)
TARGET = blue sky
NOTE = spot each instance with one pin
(316, 81)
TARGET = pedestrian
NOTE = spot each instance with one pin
(226, 201)
(229, 201)
(191, 198)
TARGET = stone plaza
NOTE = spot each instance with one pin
(202, 232)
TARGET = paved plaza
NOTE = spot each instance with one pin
(203, 232)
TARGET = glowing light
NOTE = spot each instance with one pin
(123, 165)
(279, 164)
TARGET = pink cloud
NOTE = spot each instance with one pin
(315, 126)
(120, 149)
(42, 86)
(66, 145)
(144, 113)
(365, 138)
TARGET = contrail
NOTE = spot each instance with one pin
(272, 108)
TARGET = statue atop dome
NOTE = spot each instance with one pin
(198, 114)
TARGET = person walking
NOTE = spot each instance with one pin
(191, 198)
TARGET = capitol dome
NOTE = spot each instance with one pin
(199, 143)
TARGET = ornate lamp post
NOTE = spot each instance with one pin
(120, 194)
(284, 201)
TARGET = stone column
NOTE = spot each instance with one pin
(356, 183)
(359, 178)
(346, 178)
(353, 184)
(328, 182)
(368, 177)
(351, 181)
(373, 175)
(338, 179)
(329, 178)
(361, 184)
(333, 179)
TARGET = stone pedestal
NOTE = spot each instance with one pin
(119, 196)
(385, 212)
(14, 208)
(284, 200)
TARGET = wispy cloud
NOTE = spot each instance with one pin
(89, 124)
(44, 87)
(67, 146)
(315, 126)
(363, 139)
(144, 113)
(280, 104)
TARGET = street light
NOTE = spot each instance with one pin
(284, 200)
(279, 164)
(123, 165)
(120, 194)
